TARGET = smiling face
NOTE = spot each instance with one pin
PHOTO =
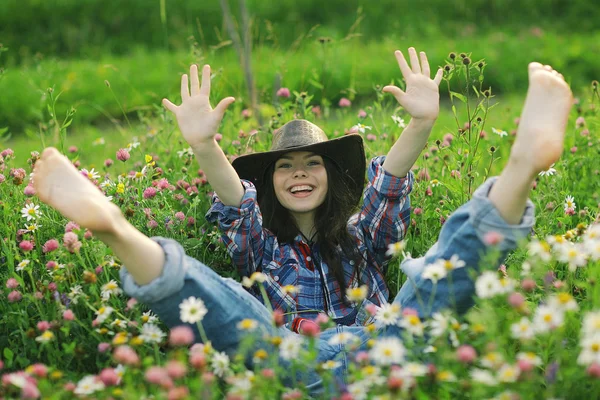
(300, 182)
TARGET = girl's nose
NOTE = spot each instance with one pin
(300, 172)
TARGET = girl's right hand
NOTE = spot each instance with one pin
(197, 120)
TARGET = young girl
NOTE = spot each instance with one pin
(305, 233)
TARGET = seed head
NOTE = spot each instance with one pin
(480, 65)
(438, 142)
(447, 68)
(492, 149)
(466, 61)
(479, 119)
(595, 84)
(452, 55)
(462, 55)
(486, 93)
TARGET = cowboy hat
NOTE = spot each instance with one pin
(347, 152)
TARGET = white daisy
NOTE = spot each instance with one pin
(185, 152)
(434, 272)
(573, 254)
(488, 285)
(220, 364)
(453, 263)
(149, 318)
(499, 132)
(522, 330)
(22, 265)
(483, 376)
(342, 338)
(290, 347)
(388, 314)
(412, 324)
(570, 203)
(32, 227)
(508, 373)
(152, 333)
(103, 313)
(192, 310)
(387, 351)
(546, 319)
(399, 121)
(438, 324)
(396, 249)
(540, 249)
(361, 128)
(530, 357)
(549, 172)
(110, 289)
(563, 302)
(31, 211)
(88, 385)
(591, 323)
(91, 175)
(590, 352)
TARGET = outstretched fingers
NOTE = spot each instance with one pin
(223, 104)
(404, 68)
(424, 64)
(395, 91)
(205, 88)
(195, 83)
(414, 60)
(438, 76)
(185, 91)
(169, 106)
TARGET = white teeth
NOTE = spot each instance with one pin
(301, 187)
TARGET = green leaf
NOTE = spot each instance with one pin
(316, 84)
(458, 96)
(8, 354)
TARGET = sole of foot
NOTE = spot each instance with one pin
(541, 132)
(60, 185)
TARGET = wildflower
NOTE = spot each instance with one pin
(71, 242)
(361, 128)
(563, 302)
(103, 313)
(445, 376)
(399, 121)
(508, 373)
(590, 352)
(290, 347)
(14, 296)
(45, 337)
(111, 288)
(434, 272)
(570, 203)
(283, 92)
(148, 317)
(573, 254)
(12, 283)
(488, 285)
(91, 175)
(68, 315)
(344, 102)
(32, 227)
(371, 137)
(138, 175)
(412, 324)
(483, 376)
(453, 263)
(181, 336)
(330, 364)
(388, 314)
(546, 319)
(149, 193)
(120, 187)
(31, 211)
(26, 245)
(220, 364)
(358, 293)
(434, 183)
(591, 323)
(21, 266)
(50, 246)
(342, 338)
(395, 249)
(247, 324)
(549, 172)
(192, 310)
(540, 249)
(152, 333)
(499, 132)
(466, 354)
(88, 385)
(529, 357)
(387, 351)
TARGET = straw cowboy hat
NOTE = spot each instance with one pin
(347, 152)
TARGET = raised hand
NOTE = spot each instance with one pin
(197, 120)
(421, 98)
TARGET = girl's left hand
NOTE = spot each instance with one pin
(422, 97)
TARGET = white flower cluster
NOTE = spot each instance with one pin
(590, 339)
(574, 254)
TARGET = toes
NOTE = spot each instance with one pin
(534, 66)
(547, 68)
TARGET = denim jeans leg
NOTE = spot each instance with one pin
(462, 235)
(227, 303)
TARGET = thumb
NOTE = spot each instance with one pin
(394, 90)
(223, 104)
(169, 106)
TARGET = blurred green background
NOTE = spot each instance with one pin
(112, 59)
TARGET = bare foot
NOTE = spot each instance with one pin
(59, 184)
(541, 131)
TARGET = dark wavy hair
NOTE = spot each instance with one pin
(331, 221)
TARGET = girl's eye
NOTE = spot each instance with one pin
(284, 165)
(314, 162)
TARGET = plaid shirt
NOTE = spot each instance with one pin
(383, 219)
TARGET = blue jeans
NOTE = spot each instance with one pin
(228, 302)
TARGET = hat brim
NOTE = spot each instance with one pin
(347, 152)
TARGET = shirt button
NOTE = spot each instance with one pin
(276, 278)
(308, 258)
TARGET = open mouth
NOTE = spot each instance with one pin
(301, 190)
